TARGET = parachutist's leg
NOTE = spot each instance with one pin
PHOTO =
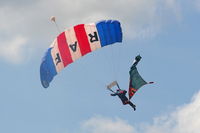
(132, 105)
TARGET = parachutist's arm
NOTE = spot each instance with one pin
(125, 92)
(135, 63)
(137, 59)
(113, 94)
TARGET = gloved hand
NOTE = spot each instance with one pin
(112, 94)
(138, 58)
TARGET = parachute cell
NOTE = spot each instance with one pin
(76, 42)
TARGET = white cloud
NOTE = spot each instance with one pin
(140, 18)
(197, 4)
(106, 125)
(13, 49)
(185, 119)
(173, 6)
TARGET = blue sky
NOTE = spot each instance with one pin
(165, 33)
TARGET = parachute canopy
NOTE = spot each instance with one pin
(76, 42)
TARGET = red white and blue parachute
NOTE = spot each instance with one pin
(76, 42)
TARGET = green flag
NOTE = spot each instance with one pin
(136, 81)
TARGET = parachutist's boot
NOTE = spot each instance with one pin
(134, 108)
(132, 105)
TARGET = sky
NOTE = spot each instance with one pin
(164, 32)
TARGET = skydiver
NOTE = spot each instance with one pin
(122, 95)
(136, 81)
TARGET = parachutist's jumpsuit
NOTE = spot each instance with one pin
(122, 95)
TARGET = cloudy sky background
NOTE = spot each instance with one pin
(164, 32)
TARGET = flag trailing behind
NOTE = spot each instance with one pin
(136, 81)
(76, 42)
